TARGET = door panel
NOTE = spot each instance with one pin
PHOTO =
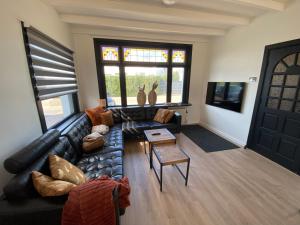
(275, 128)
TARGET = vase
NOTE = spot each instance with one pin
(152, 96)
(141, 96)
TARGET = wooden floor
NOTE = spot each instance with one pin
(228, 187)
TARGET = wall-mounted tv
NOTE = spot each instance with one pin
(227, 95)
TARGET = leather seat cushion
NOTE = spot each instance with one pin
(134, 128)
(137, 127)
(102, 163)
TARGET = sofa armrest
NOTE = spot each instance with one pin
(177, 120)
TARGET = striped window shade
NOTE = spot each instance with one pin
(51, 65)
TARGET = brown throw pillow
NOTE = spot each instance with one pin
(61, 169)
(107, 118)
(169, 116)
(95, 114)
(92, 142)
(47, 186)
(161, 115)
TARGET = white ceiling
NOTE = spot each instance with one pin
(188, 17)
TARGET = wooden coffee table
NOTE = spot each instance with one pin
(156, 137)
(170, 154)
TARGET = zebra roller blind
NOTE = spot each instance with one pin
(51, 65)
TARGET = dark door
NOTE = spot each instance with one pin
(275, 128)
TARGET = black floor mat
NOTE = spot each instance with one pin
(206, 139)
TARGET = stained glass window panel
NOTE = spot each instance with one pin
(145, 55)
(110, 53)
(178, 56)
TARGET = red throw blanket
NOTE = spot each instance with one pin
(92, 203)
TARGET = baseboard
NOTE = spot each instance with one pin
(223, 135)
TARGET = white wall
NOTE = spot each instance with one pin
(238, 56)
(86, 66)
(19, 119)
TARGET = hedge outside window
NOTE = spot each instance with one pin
(123, 66)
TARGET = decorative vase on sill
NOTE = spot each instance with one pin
(141, 96)
(152, 96)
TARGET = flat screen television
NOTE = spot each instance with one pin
(227, 95)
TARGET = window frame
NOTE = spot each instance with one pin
(121, 44)
(33, 82)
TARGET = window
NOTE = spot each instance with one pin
(177, 84)
(123, 66)
(112, 81)
(57, 109)
(138, 76)
(53, 78)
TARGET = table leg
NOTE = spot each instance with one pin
(161, 176)
(187, 172)
(150, 155)
(145, 145)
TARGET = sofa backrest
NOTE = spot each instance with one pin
(77, 131)
(134, 113)
(21, 185)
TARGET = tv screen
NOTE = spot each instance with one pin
(227, 95)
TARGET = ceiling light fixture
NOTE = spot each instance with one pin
(169, 2)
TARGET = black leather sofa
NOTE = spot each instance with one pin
(20, 204)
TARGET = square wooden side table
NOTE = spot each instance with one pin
(156, 137)
(170, 154)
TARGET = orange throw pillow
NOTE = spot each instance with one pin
(107, 118)
(161, 115)
(94, 115)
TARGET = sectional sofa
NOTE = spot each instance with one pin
(20, 203)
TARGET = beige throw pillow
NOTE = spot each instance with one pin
(169, 116)
(47, 186)
(160, 116)
(92, 141)
(101, 129)
(61, 169)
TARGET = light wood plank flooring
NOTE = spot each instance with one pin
(233, 187)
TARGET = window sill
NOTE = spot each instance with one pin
(65, 123)
(173, 105)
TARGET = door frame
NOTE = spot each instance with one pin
(264, 67)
